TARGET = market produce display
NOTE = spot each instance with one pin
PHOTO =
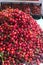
(35, 9)
(26, 8)
(21, 38)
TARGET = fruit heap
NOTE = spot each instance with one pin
(36, 9)
(26, 8)
(23, 7)
(21, 39)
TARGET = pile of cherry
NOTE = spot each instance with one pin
(36, 9)
(23, 7)
(21, 38)
(27, 8)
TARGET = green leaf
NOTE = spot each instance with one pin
(1, 55)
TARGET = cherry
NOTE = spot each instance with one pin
(21, 38)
